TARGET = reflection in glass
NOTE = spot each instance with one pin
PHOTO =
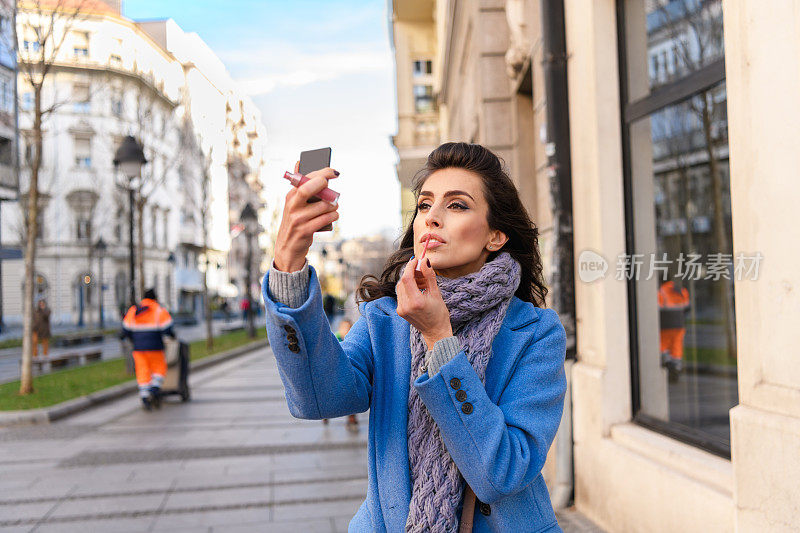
(682, 218)
(670, 39)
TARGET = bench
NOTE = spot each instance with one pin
(75, 339)
(47, 364)
(231, 329)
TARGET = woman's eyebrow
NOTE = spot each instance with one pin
(448, 194)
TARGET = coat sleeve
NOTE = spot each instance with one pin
(501, 448)
(323, 378)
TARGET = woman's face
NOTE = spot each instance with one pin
(452, 206)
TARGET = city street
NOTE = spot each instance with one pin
(233, 459)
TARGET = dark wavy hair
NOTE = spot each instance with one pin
(506, 213)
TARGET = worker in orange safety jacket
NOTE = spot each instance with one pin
(673, 302)
(146, 324)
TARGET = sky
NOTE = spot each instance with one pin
(322, 73)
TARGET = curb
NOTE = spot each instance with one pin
(45, 415)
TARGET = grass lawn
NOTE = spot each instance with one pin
(713, 356)
(63, 385)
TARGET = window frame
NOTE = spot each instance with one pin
(671, 93)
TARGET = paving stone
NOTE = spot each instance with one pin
(283, 513)
(227, 497)
(117, 525)
(105, 506)
(320, 490)
(257, 518)
(24, 512)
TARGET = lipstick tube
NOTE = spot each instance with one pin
(326, 194)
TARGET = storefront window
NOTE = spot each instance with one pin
(681, 267)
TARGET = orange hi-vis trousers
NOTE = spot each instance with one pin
(672, 341)
(151, 366)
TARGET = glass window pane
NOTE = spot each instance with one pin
(684, 266)
(668, 39)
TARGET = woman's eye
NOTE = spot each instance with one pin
(458, 205)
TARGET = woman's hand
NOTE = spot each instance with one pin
(300, 220)
(426, 311)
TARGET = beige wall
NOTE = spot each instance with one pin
(763, 79)
(627, 477)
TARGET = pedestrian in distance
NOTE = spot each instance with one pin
(454, 353)
(344, 326)
(244, 307)
(145, 325)
(41, 328)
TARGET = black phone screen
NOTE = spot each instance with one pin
(312, 160)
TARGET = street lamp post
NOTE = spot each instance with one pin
(129, 158)
(250, 220)
(100, 248)
(171, 261)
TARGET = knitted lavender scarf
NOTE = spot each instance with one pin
(477, 303)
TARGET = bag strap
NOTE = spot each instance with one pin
(467, 511)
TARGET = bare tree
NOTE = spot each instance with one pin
(151, 181)
(45, 25)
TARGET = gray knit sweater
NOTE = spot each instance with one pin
(291, 289)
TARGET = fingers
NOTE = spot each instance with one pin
(296, 167)
(430, 276)
(326, 172)
(302, 212)
(310, 188)
(317, 223)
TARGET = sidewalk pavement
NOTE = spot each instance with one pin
(233, 459)
(110, 347)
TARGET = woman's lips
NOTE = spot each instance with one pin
(434, 244)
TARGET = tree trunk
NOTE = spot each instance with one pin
(140, 244)
(720, 235)
(26, 375)
(207, 304)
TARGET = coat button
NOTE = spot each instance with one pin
(461, 395)
(466, 407)
(289, 329)
(292, 338)
(294, 348)
(455, 383)
(485, 508)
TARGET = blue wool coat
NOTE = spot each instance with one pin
(499, 445)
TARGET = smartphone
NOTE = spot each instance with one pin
(312, 160)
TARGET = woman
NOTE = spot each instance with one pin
(462, 373)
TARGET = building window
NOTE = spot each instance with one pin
(27, 101)
(423, 67)
(116, 102)
(81, 98)
(83, 227)
(83, 152)
(154, 226)
(423, 98)
(80, 47)
(31, 46)
(7, 95)
(115, 60)
(678, 264)
(165, 228)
